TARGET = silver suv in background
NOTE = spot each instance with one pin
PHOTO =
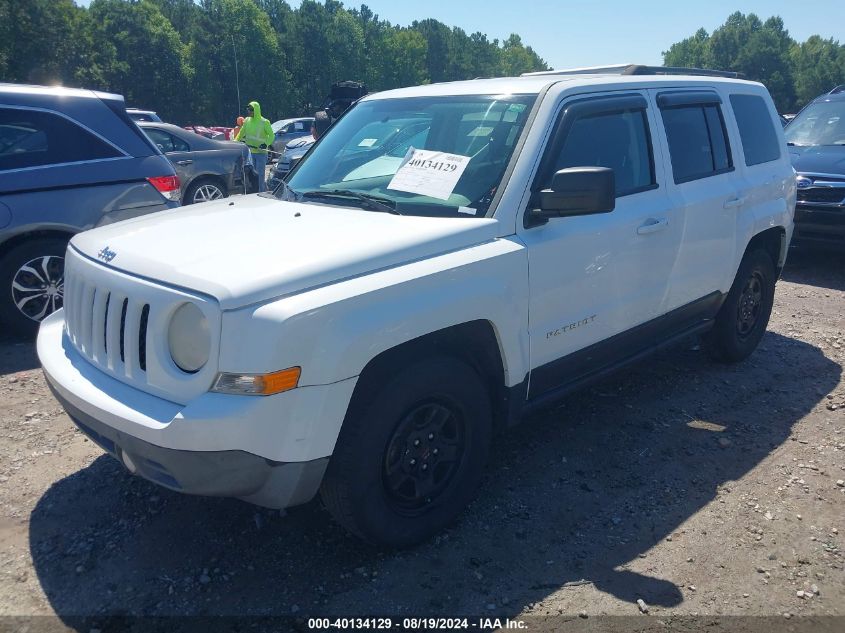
(70, 160)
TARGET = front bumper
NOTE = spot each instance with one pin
(271, 451)
(211, 473)
(819, 225)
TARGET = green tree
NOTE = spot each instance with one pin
(406, 48)
(693, 52)
(145, 59)
(518, 59)
(230, 30)
(764, 51)
(47, 42)
(818, 65)
(178, 56)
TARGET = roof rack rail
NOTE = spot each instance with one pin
(837, 90)
(639, 69)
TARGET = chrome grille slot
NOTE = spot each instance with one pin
(122, 330)
(113, 332)
(105, 328)
(86, 310)
(131, 324)
(98, 326)
(142, 337)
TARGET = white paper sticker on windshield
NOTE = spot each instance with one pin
(428, 173)
(367, 142)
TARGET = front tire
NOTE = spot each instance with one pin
(411, 453)
(742, 319)
(31, 283)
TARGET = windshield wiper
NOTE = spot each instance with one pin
(370, 201)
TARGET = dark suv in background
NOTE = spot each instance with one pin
(70, 160)
(816, 137)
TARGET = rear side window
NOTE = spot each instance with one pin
(759, 140)
(31, 138)
(165, 141)
(618, 140)
(698, 144)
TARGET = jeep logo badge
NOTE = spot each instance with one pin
(106, 255)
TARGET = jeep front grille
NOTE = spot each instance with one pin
(119, 324)
(107, 327)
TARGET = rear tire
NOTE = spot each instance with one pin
(31, 283)
(204, 190)
(411, 453)
(742, 319)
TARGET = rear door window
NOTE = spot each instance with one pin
(760, 143)
(165, 141)
(33, 138)
(698, 143)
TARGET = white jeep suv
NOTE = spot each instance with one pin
(446, 258)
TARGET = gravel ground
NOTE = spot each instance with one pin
(679, 487)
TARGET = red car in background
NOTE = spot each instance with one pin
(226, 131)
(218, 134)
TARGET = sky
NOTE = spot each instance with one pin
(574, 33)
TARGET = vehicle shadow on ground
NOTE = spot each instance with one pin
(17, 353)
(572, 497)
(821, 268)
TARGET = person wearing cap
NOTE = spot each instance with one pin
(257, 133)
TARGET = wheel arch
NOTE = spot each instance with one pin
(474, 342)
(38, 234)
(773, 242)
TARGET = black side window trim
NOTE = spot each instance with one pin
(681, 98)
(591, 106)
(728, 150)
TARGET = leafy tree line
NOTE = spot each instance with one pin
(795, 73)
(178, 56)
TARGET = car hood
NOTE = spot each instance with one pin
(300, 141)
(818, 159)
(254, 248)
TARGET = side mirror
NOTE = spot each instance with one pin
(578, 191)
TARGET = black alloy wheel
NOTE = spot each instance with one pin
(750, 305)
(32, 283)
(423, 456)
(744, 315)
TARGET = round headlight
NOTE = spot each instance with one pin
(189, 338)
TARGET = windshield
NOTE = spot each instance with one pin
(436, 156)
(820, 123)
